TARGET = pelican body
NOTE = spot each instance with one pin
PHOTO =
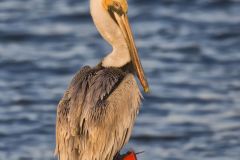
(96, 115)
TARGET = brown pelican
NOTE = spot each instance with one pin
(96, 115)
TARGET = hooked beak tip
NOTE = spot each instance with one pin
(147, 90)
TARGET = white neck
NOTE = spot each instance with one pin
(111, 32)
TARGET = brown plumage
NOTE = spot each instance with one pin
(96, 114)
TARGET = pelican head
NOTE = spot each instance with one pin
(110, 18)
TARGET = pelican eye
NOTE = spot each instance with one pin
(116, 7)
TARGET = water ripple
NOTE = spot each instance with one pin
(190, 52)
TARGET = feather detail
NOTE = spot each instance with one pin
(96, 114)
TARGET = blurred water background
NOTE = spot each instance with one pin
(190, 50)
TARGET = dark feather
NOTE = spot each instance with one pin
(86, 105)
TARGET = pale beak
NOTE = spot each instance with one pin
(123, 23)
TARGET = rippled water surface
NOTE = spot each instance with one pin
(191, 54)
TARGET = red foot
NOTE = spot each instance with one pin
(131, 155)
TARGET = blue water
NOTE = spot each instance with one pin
(191, 54)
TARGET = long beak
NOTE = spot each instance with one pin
(123, 23)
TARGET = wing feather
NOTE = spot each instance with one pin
(96, 114)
